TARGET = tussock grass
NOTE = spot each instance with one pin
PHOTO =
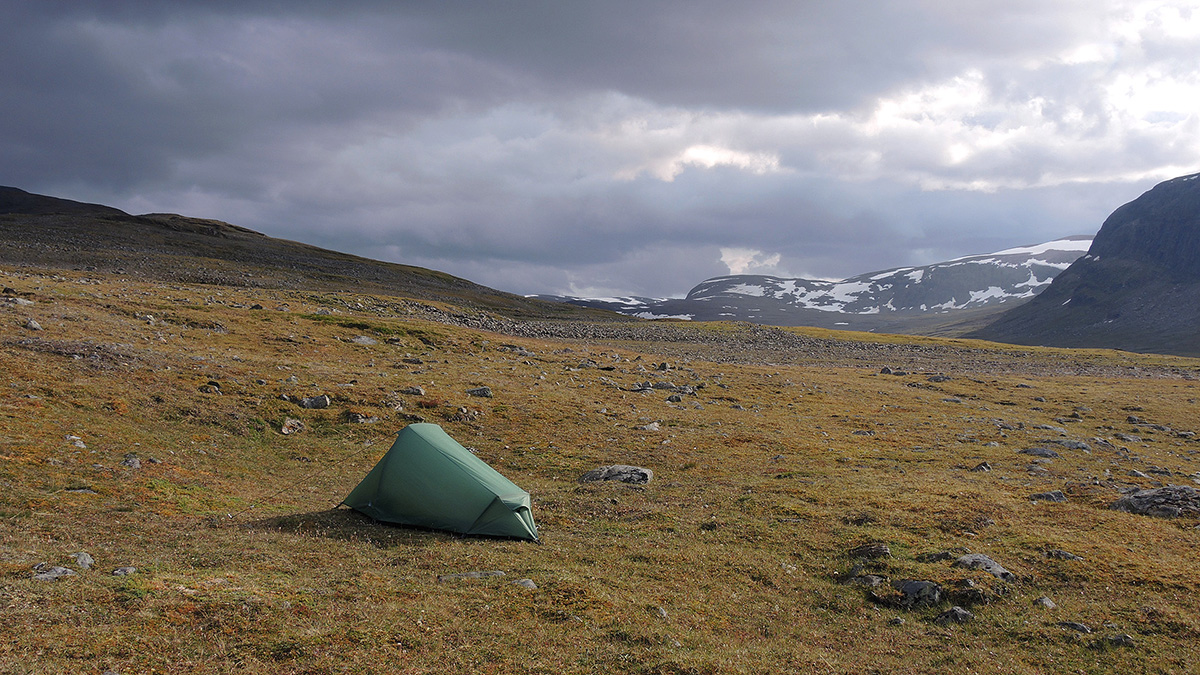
(730, 561)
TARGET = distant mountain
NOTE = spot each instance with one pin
(1137, 289)
(905, 299)
(49, 232)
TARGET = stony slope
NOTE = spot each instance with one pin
(1138, 288)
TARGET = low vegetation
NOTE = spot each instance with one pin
(141, 424)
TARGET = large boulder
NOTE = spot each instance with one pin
(1165, 502)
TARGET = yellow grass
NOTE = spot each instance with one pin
(729, 561)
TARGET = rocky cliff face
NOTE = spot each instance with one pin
(1137, 289)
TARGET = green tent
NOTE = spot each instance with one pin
(427, 479)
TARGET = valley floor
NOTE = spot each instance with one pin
(140, 423)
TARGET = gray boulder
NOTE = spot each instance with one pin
(1171, 501)
(481, 392)
(955, 614)
(84, 560)
(978, 561)
(618, 472)
(47, 572)
(915, 593)
(1053, 496)
(316, 402)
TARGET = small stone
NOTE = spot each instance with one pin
(955, 614)
(84, 560)
(938, 556)
(1059, 554)
(364, 340)
(982, 466)
(896, 621)
(470, 575)
(1075, 626)
(871, 551)
(1040, 452)
(413, 391)
(131, 461)
(480, 392)
(1054, 496)
(618, 472)
(526, 583)
(46, 572)
(674, 398)
(1121, 640)
(914, 593)
(32, 325)
(291, 425)
(316, 402)
(659, 611)
(124, 571)
(1045, 603)
(983, 562)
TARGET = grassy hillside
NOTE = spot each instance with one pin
(47, 232)
(792, 451)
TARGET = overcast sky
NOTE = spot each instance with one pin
(609, 147)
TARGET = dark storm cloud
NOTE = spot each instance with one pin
(621, 146)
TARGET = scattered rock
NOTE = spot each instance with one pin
(653, 426)
(896, 621)
(1059, 554)
(1045, 603)
(131, 461)
(291, 425)
(1171, 501)
(315, 402)
(32, 325)
(1121, 640)
(124, 571)
(1069, 444)
(47, 572)
(868, 580)
(1054, 496)
(951, 399)
(618, 472)
(939, 378)
(481, 392)
(413, 391)
(1040, 452)
(870, 551)
(470, 575)
(982, 466)
(915, 593)
(83, 559)
(983, 562)
(364, 340)
(525, 583)
(955, 614)
(934, 557)
(1134, 473)
(1075, 626)
(674, 398)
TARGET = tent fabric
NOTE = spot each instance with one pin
(428, 480)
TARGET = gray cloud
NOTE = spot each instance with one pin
(620, 147)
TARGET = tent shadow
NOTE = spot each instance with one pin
(349, 525)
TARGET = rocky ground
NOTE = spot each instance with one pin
(764, 500)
